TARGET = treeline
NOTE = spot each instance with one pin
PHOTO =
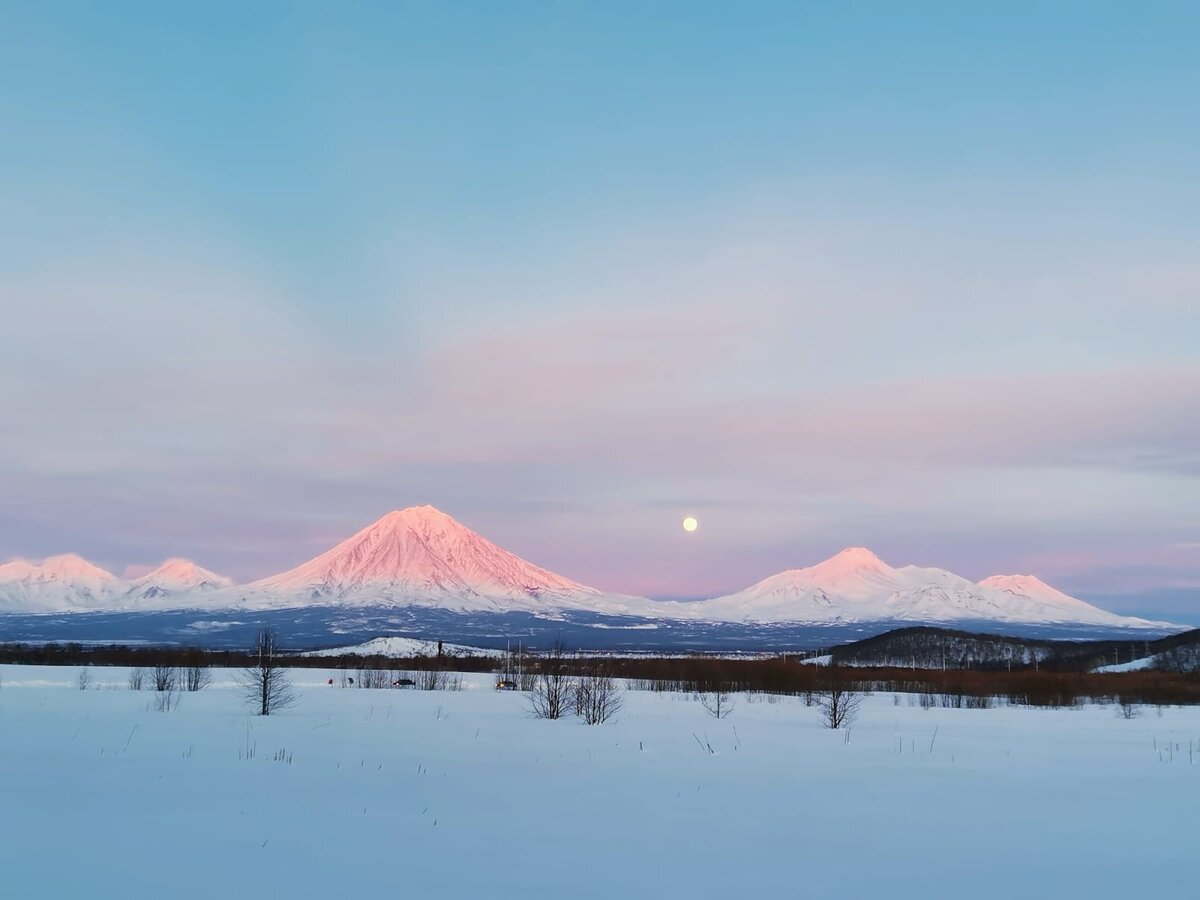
(700, 674)
(72, 654)
(958, 688)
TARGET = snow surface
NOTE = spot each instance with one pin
(421, 557)
(463, 795)
(1137, 665)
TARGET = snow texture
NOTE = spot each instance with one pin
(464, 795)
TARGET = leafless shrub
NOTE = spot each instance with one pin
(137, 677)
(717, 703)
(84, 680)
(597, 695)
(164, 678)
(435, 679)
(552, 695)
(1127, 709)
(372, 679)
(197, 678)
(838, 704)
(165, 701)
(265, 684)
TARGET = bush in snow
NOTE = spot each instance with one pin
(597, 695)
(717, 703)
(838, 704)
(164, 677)
(553, 693)
(265, 684)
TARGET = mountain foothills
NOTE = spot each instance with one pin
(421, 557)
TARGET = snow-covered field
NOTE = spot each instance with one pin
(462, 794)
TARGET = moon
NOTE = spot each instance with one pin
(690, 524)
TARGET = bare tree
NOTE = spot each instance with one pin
(553, 694)
(718, 703)
(85, 678)
(597, 695)
(137, 677)
(839, 705)
(164, 677)
(1127, 708)
(265, 683)
(197, 678)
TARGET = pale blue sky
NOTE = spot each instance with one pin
(918, 276)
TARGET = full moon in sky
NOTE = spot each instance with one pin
(690, 524)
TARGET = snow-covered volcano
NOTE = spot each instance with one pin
(55, 584)
(421, 556)
(174, 577)
(857, 586)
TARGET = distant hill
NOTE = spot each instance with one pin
(925, 647)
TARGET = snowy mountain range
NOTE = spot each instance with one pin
(857, 586)
(69, 583)
(421, 557)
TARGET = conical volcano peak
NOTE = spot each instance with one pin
(178, 566)
(422, 513)
(179, 574)
(415, 517)
(857, 558)
(420, 552)
(853, 562)
(1018, 583)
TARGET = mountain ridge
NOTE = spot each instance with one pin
(422, 557)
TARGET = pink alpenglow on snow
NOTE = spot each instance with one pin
(857, 586)
(177, 576)
(57, 583)
(69, 583)
(422, 557)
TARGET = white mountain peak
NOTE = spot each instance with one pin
(1032, 587)
(855, 585)
(63, 567)
(850, 560)
(1016, 583)
(62, 582)
(177, 575)
(419, 553)
(420, 556)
